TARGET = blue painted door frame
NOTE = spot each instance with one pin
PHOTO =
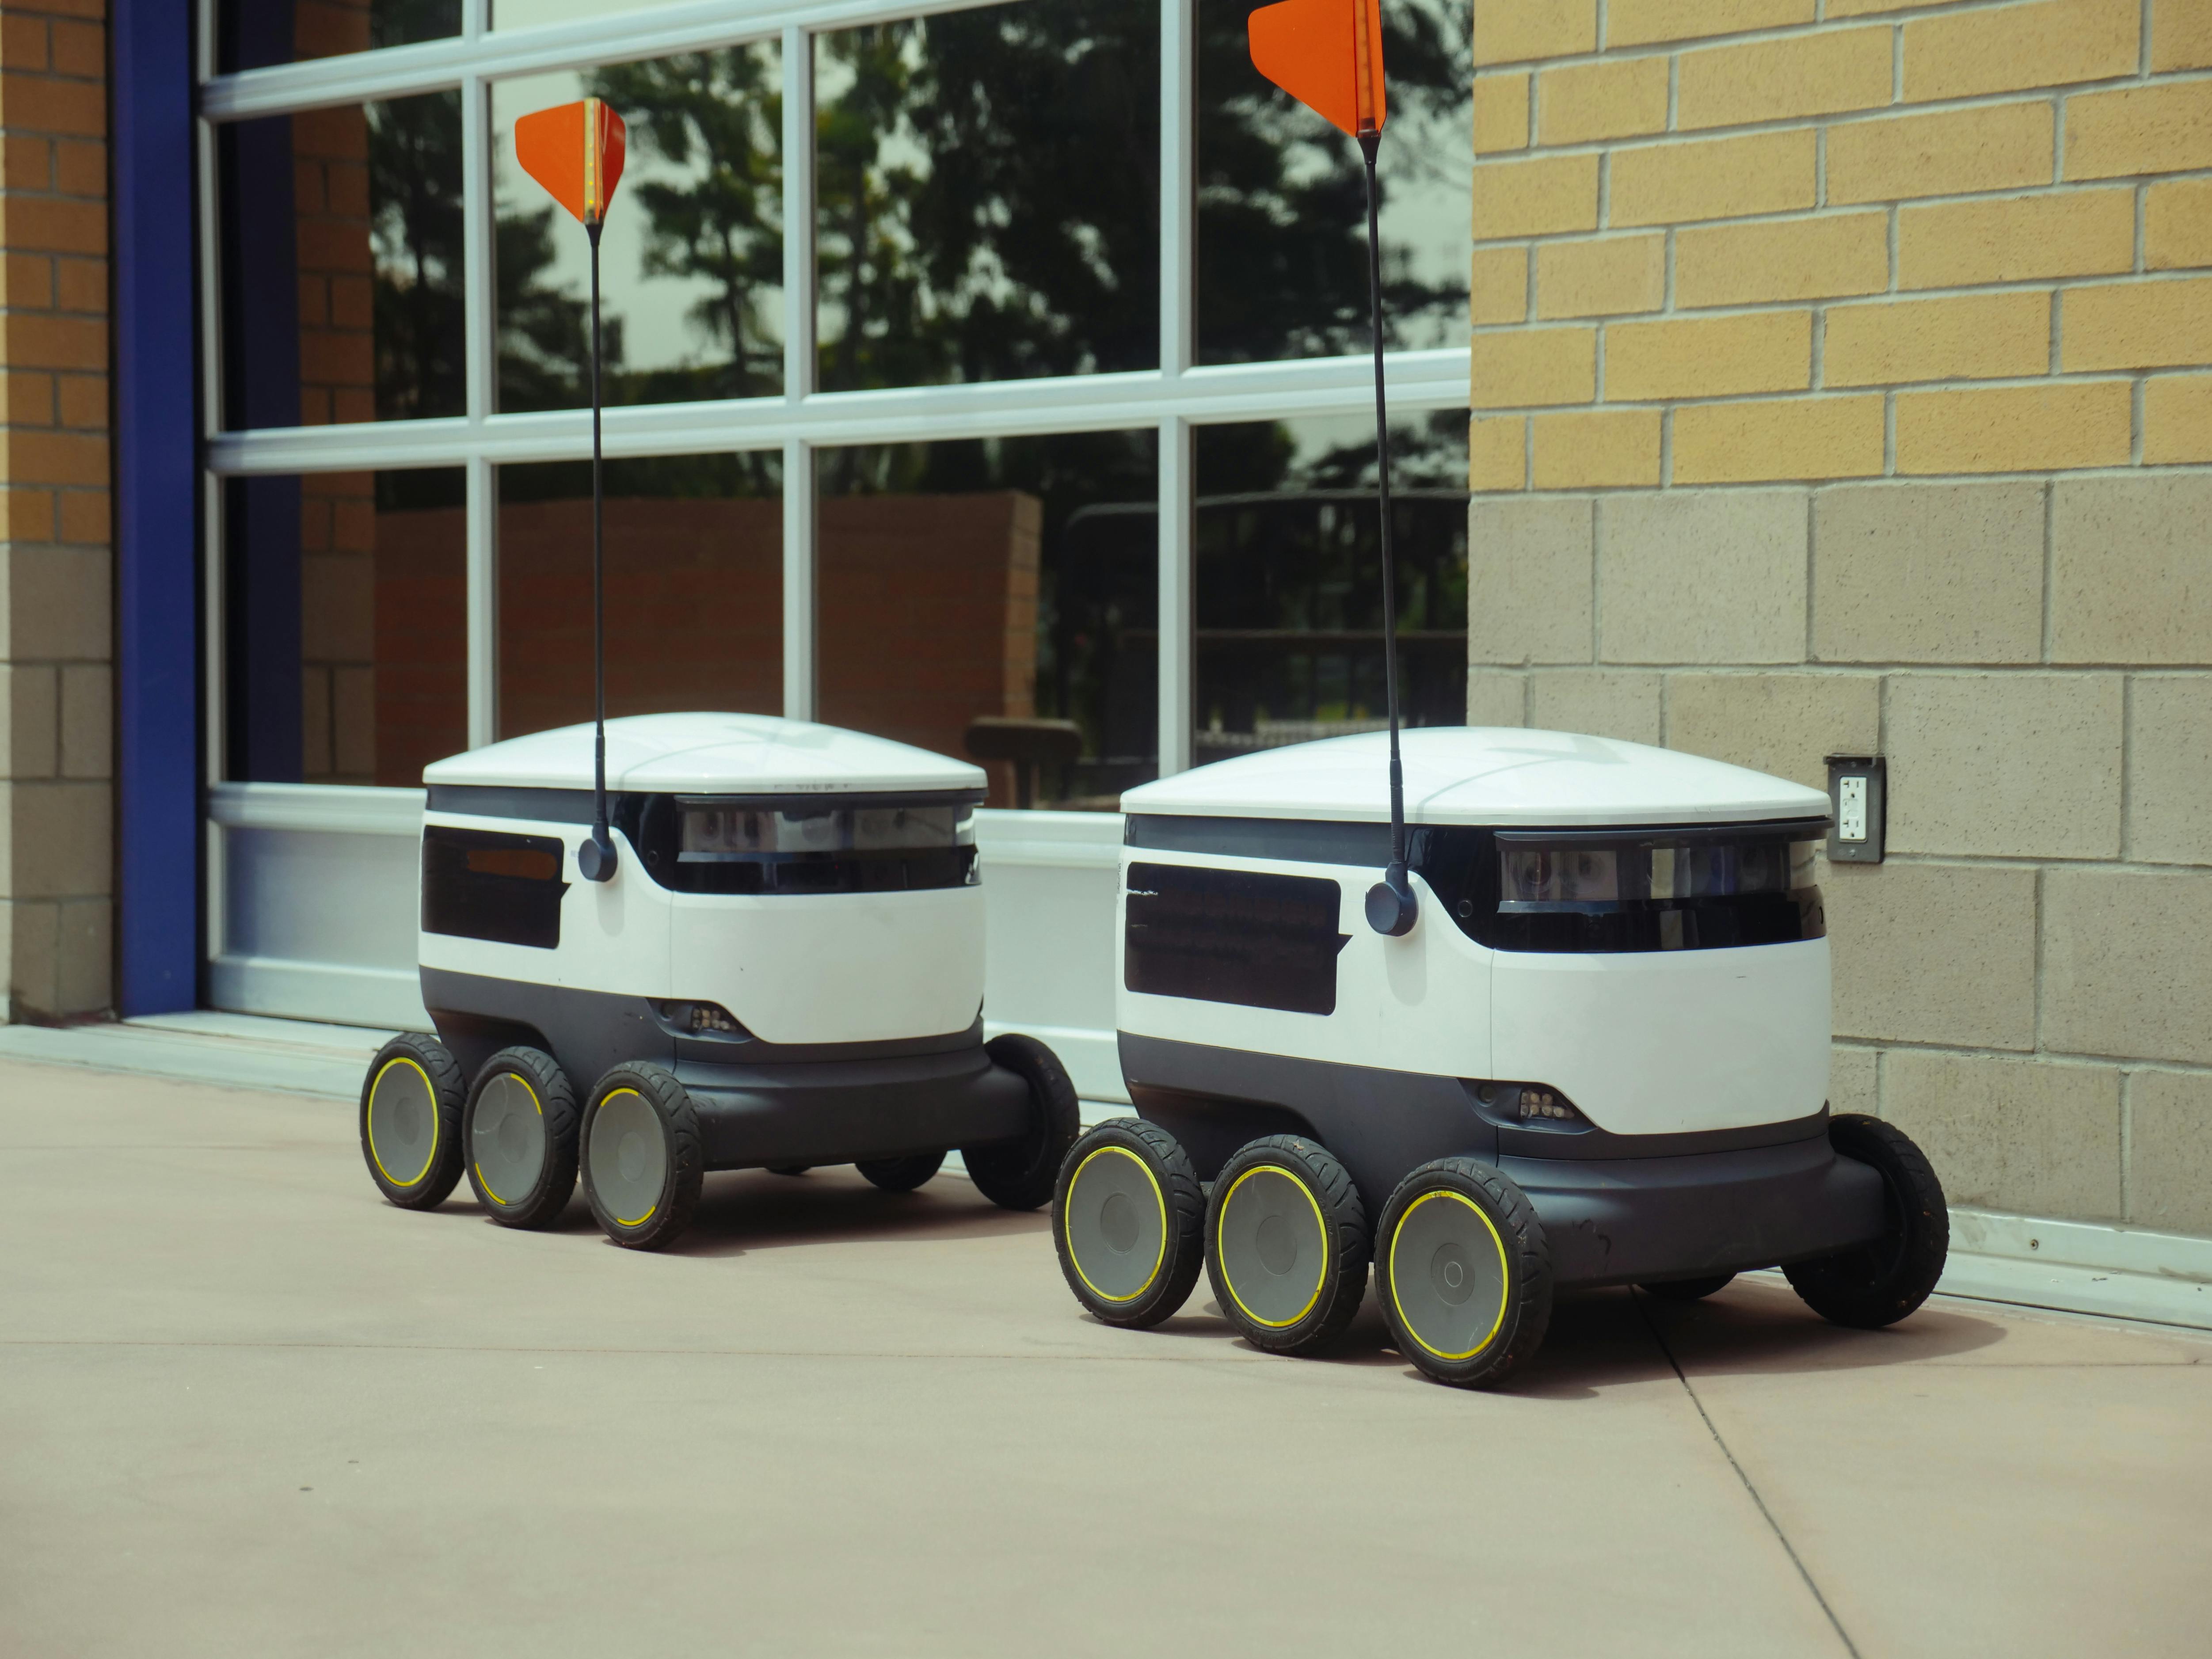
(157, 516)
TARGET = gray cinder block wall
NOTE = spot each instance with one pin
(1839, 385)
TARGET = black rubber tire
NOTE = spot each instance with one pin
(1339, 1279)
(1021, 1175)
(548, 1194)
(1523, 1261)
(426, 1068)
(1871, 1285)
(1688, 1290)
(789, 1169)
(1180, 1220)
(901, 1174)
(682, 1163)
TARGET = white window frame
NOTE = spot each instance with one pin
(1174, 399)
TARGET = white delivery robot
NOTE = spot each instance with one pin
(758, 944)
(1577, 1036)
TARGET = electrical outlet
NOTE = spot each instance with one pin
(1858, 794)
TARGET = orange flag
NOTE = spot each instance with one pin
(574, 151)
(1327, 54)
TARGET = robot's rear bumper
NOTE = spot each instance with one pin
(1613, 1221)
(840, 1111)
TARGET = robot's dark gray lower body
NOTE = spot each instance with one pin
(759, 1104)
(1616, 1209)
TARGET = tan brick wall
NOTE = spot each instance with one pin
(1842, 377)
(56, 636)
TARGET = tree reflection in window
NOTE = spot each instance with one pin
(987, 194)
(692, 265)
(1282, 205)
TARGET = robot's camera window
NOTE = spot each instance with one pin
(754, 847)
(1695, 889)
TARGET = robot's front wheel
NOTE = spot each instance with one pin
(520, 1127)
(410, 1120)
(1464, 1271)
(901, 1174)
(1287, 1245)
(1129, 1222)
(1020, 1176)
(1871, 1285)
(642, 1161)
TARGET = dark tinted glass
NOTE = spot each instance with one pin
(342, 274)
(345, 599)
(997, 600)
(1611, 891)
(988, 189)
(692, 258)
(255, 33)
(1282, 203)
(1289, 579)
(694, 586)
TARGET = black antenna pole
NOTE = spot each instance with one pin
(1391, 907)
(595, 858)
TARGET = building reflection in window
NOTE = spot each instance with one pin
(255, 33)
(345, 601)
(341, 264)
(691, 262)
(1289, 600)
(1282, 202)
(694, 586)
(997, 600)
(987, 194)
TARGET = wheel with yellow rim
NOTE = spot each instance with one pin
(411, 1121)
(1128, 1220)
(521, 1128)
(1287, 1245)
(642, 1161)
(1464, 1271)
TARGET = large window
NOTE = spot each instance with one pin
(992, 378)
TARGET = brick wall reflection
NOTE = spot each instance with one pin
(928, 618)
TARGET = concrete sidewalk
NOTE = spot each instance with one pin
(247, 1407)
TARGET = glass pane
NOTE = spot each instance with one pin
(1282, 203)
(691, 259)
(999, 600)
(1289, 579)
(987, 194)
(346, 603)
(255, 33)
(694, 584)
(341, 242)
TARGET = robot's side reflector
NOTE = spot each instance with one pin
(1327, 54)
(575, 151)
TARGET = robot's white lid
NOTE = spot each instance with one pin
(710, 754)
(1482, 775)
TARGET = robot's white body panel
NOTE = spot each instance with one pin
(1662, 1042)
(793, 967)
(1668, 1043)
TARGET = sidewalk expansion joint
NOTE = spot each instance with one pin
(1713, 1429)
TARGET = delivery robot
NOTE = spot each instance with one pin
(1577, 1034)
(737, 942)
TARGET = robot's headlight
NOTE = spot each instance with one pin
(745, 829)
(702, 1020)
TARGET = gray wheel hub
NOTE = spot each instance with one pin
(1271, 1246)
(1447, 1273)
(402, 1122)
(627, 1157)
(1116, 1223)
(507, 1138)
